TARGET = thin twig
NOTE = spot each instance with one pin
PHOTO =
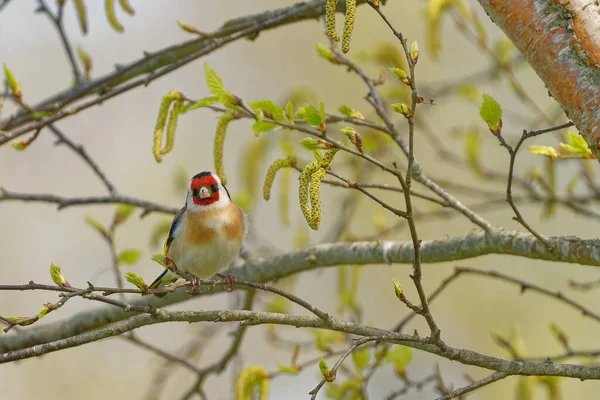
(221, 364)
(513, 156)
(64, 202)
(81, 152)
(474, 386)
(333, 371)
(57, 20)
(133, 338)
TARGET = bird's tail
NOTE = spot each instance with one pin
(166, 278)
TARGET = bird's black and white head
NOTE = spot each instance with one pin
(206, 191)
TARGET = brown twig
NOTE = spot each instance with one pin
(496, 376)
(57, 20)
(513, 156)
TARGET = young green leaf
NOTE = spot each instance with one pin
(314, 144)
(137, 281)
(97, 226)
(491, 113)
(287, 369)
(326, 53)
(266, 109)
(402, 109)
(310, 115)
(271, 109)
(577, 145)
(160, 259)
(547, 151)
(13, 83)
(215, 86)
(289, 112)
(57, 276)
(206, 101)
(401, 75)
(129, 256)
(414, 52)
(325, 372)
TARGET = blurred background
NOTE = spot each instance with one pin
(118, 135)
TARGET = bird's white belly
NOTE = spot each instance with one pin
(206, 260)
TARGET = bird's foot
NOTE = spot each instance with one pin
(229, 281)
(194, 283)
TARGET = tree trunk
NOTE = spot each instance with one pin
(561, 43)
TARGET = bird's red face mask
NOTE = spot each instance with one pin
(205, 189)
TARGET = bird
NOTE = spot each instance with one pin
(206, 233)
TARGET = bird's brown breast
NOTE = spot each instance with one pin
(201, 226)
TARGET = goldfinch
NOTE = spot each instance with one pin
(206, 234)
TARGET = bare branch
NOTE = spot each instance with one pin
(64, 202)
(474, 386)
(159, 63)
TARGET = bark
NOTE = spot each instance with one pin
(560, 42)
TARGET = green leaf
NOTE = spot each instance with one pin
(129, 256)
(13, 83)
(19, 145)
(314, 144)
(361, 358)
(135, 280)
(547, 151)
(401, 75)
(346, 111)
(266, 109)
(402, 109)
(577, 144)
(491, 112)
(45, 310)
(325, 372)
(261, 126)
(160, 258)
(213, 81)
(57, 276)
(348, 131)
(206, 101)
(310, 115)
(269, 107)
(289, 112)
(97, 226)
(325, 52)
(287, 369)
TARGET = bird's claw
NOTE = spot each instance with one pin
(229, 281)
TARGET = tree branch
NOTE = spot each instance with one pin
(498, 241)
(159, 63)
(559, 42)
(463, 356)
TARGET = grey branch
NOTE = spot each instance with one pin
(477, 243)
(153, 61)
(63, 202)
(463, 356)
(474, 386)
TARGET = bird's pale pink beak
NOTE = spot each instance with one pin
(204, 193)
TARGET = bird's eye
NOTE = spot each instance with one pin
(214, 188)
(196, 192)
